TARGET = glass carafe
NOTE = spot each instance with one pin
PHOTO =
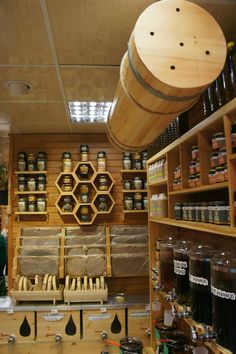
(167, 263)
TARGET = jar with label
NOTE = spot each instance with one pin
(144, 157)
(137, 182)
(67, 184)
(221, 213)
(127, 185)
(212, 176)
(185, 211)
(204, 212)
(41, 183)
(211, 208)
(22, 204)
(84, 215)
(218, 140)
(31, 162)
(220, 174)
(214, 161)
(84, 193)
(191, 212)
(177, 172)
(21, 163)
(222, 156)
(102, 203)
(195, 152)
(103, 183)
(41, 204)
(127, 161)
(22, 183)
(198, 211)
(66, 161)
(138, 201)
(67, 206)
(128, 202)
(145, 202)
(137, 162)
(178, 211)
(84, 151)
(32, 203)
(197, 165)
(101, 161)
(31, 184)
(84, 172)
(191, 181)
(192, 167)
(42, 161)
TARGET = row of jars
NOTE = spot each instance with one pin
(68, 203)
(157, 171)
(67, 160)
(31, 183)
(135, 161)
(159, 206)
(205, 279)
(136, 183)
(216, 212)
(32, 162)
(32, 203)
(68, 183)
(137, 201)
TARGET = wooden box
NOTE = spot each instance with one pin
(19, 324)
(138, 322)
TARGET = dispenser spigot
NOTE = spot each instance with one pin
(181, 314)
(171, 296)
(104, 335)
(148, 332)
(207, 336)
(11, 339)
(156, 286)
(58, 338)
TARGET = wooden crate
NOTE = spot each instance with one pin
(64, 323)
(138, 322)
(19, 324)
(85, 295)
(110, 321)
(38, 295)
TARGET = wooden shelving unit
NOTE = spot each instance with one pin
(177, 154)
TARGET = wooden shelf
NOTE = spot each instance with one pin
(205, 188)
(161, 182)
(30, 172)
(198, 226)
(134, 191)
(134, 211)
(31, 213)
(29, 192)
(133, 171)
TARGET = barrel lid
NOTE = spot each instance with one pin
(180, 44)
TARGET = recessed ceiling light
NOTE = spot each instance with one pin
(89, 112)
(16, 88)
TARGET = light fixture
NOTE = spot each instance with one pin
(17, 88)
(89, 112)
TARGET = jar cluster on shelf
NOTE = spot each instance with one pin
(32, 161)
(157, 171)
(136, 201)
(218, 162)
(177, 182)
(32, 203)
(31, 183)
(159, 206)
(215, 212)
(135, 161)
(137, 183)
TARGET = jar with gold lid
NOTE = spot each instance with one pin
(41, 161)
(31, 162)
(67, 184)
(84, 193)
(84, 172)
(137, 162)
(127, 161)
(41, 204)
(84, 151)
(32, 203)
(66, 161)
(22, 204)
(67, 206)
(138, 201)
(103, 183)
(21, 163)
(84, 215)
(41, 183)
(22, 183)
(101, 161)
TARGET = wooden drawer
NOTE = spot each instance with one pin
(19, 324)
(138, 323)
(110, 321)
(64, 323)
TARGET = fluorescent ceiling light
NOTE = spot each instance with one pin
(89, 112)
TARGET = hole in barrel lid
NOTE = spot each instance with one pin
(207, 52)
(152, 33)
(181, 44)
(172, 67)
(177, 9)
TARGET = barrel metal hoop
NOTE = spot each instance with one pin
(151, 89)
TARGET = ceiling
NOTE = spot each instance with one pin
(68, 51)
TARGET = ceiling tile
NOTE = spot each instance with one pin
(90, 83)
(23, 38)
(94, 31)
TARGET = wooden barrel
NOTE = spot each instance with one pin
(175, 51)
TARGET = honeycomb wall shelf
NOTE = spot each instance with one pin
(85, 176)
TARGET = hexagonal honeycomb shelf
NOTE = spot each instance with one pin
(89, 194)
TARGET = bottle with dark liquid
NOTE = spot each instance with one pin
(233, 137)
(181, 270)
(232, 67)
(223, 287)
(200, 283)
(167, 263)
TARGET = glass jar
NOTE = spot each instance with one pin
(22, 183)
(178, 211)
(84, 193)
(42, 161)
(192, 211)
(21, 163)
(67, 206)
(31, 184)
(102, 203)
(218, 140)
(41, 204)
(32, 203)
(103, 183)
(195, 152)
(197, 165)
(167, 263)
(127, 161)
(200, 283)
(66, 161)
(145, 202)
(67, 184)
(22, 204)
(181, 270)
(31, 162)
(127, 184)
(221, 213)
(128, 202)
(144, 157)
(223, 287)
(84, 172)
(222, 156)
(101, 161)
(137, 182)
(185, 211)
(84, 215)
(137, 162)
(191, 181)
(205, 212)
(212, 176)
(84, 151)
(220, 174)
(214, 161)
(41, 183)
(138, 201)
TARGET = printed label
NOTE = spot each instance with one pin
(52, 317)
(223, 294)
(139, 314)
(99, 317)
(198, 280)
(180, 264)
(179, 271)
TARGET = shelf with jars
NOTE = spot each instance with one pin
(84, 192)
(31, 191)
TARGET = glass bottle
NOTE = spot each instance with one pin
(232, 66)
(84, 150)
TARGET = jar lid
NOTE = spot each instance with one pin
(127, 154)
(66, 154)
(32, 198)
(84, 148)
(202, 251)
(101, 154)
(183, 246)
(225, 261)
